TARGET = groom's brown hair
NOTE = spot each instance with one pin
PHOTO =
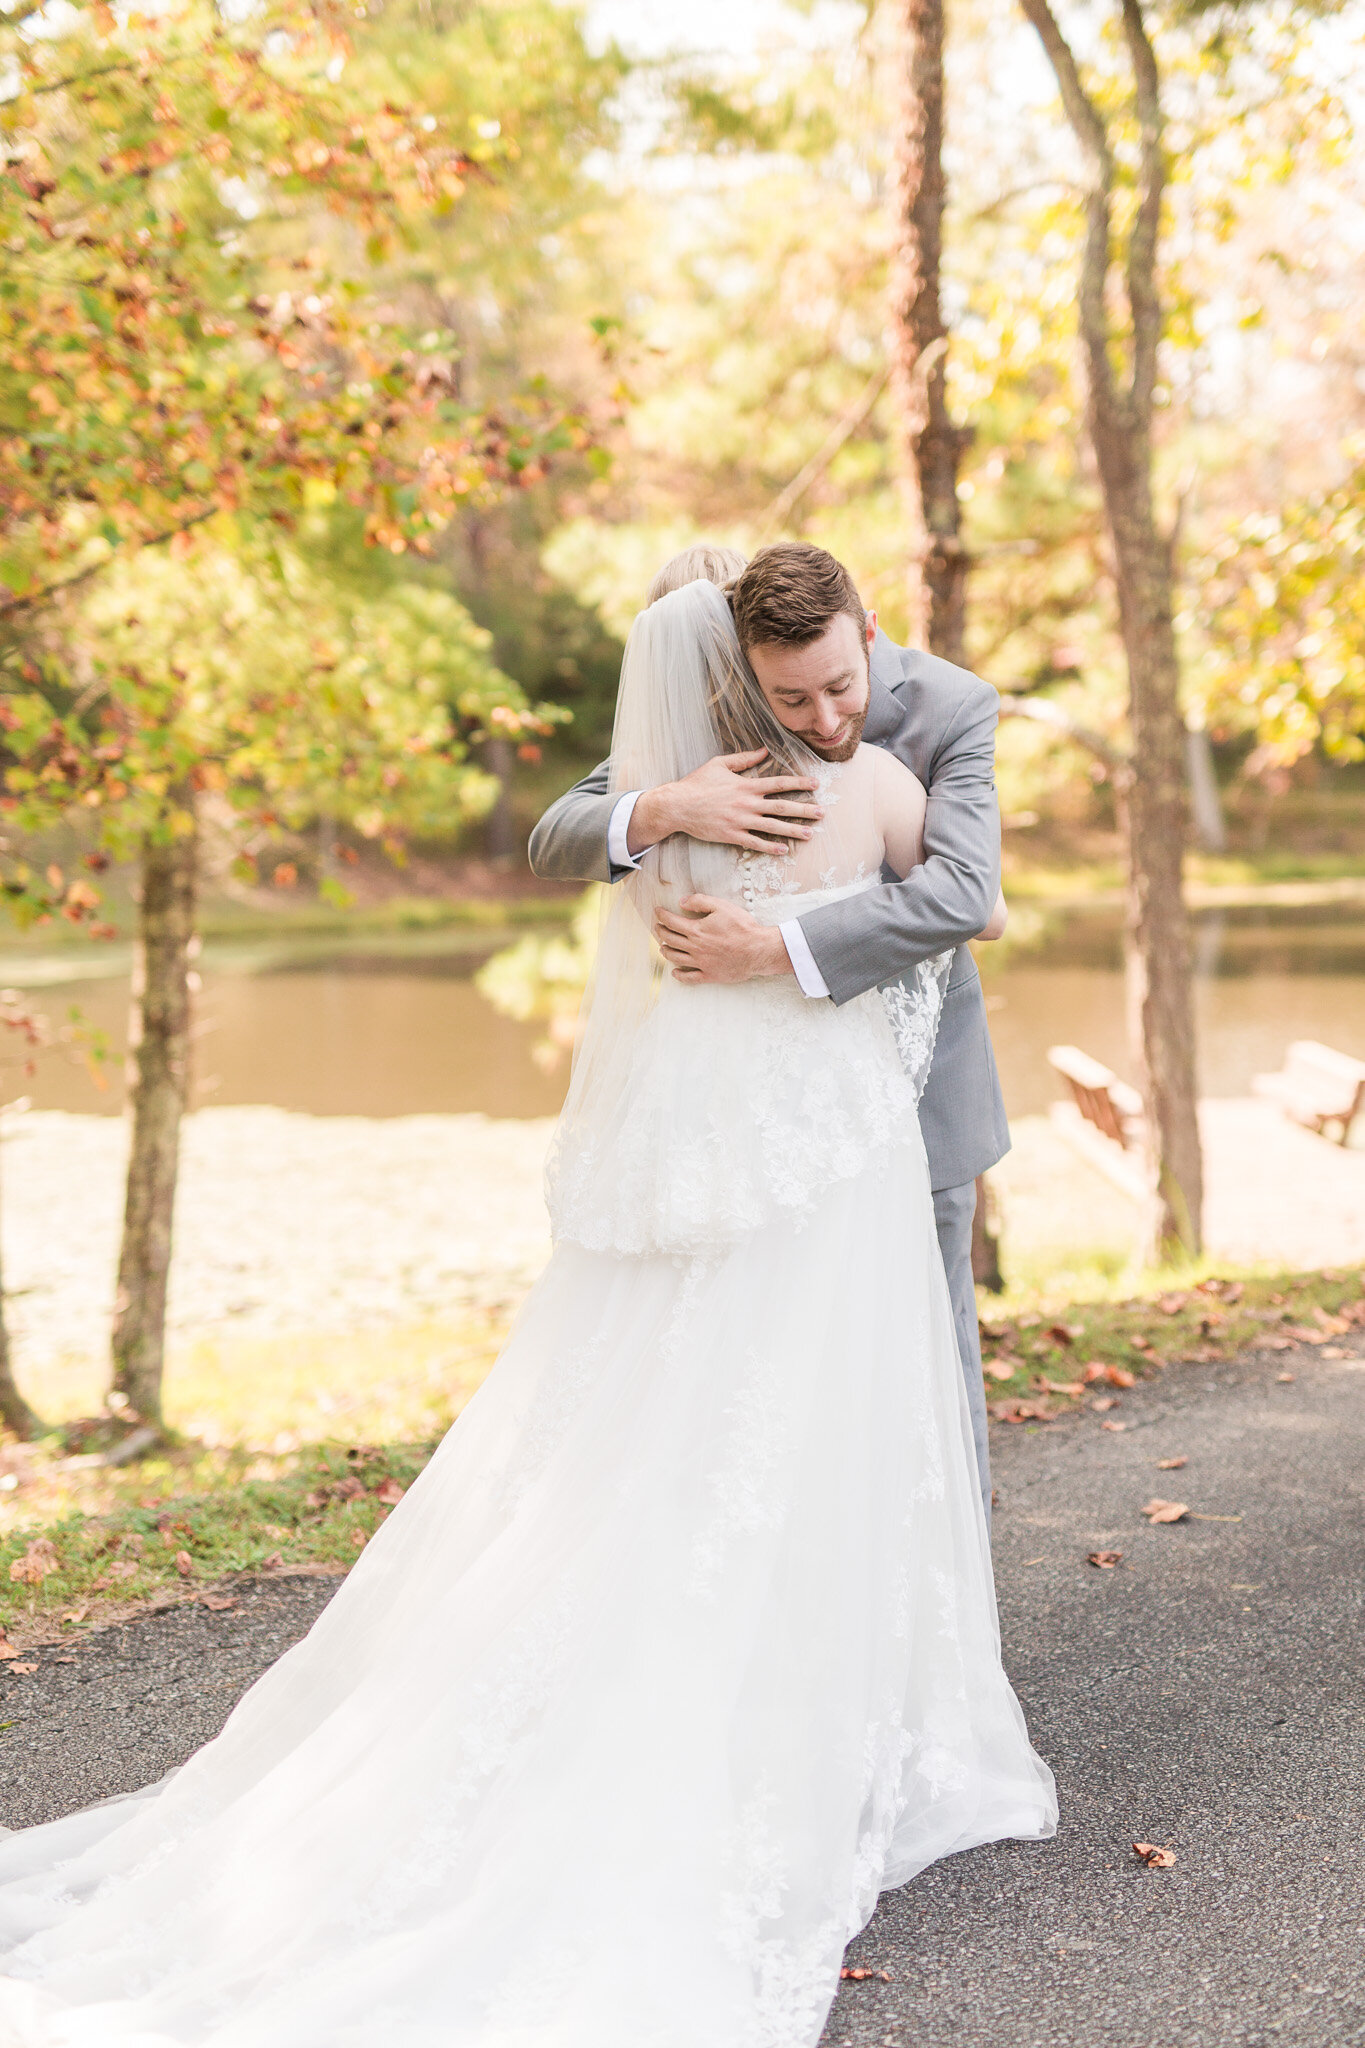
(788, 595)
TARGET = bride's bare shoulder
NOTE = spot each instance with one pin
(892, 780)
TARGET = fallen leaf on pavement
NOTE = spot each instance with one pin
(1105, 1560)
(23, 1670)
(1279, 1343)
(1106, 1401)
(1286, 1379)
(1118, 1376)
(1334, 1351)
(1170, 1464)
(8, 1650)
(1154, 1857)
(1165, 1510)
(1113, 1425)
(860, 1976)
(217, 1603)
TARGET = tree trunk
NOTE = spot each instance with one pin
(158, 1087)
(1206, 802)
(1119, 418)
(15, 1413)
(1158, 963)
(986, 1241)
(931, 446)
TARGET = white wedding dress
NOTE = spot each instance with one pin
(682, 1648)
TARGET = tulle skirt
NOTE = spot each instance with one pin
(682, 1648)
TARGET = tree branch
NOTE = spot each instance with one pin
(1088, 127)
(840, 432)
(50, 592)
(1044, 712)
(1143, 300)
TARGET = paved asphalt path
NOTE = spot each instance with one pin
(1204, 1695)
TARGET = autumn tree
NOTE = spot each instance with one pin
(198, 351)
(1121, 373)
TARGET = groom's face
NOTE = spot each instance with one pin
(819, 691)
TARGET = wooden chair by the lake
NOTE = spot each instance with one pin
(1317, 1087)
(1102, 1099)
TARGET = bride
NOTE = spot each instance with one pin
(684, 1646)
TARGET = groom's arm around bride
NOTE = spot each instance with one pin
(940, 721)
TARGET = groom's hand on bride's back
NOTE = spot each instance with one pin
(721, 803)
(708, 939)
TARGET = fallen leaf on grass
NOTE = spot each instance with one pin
(1062, 1333)
(184, 1563)
(1105, 1560)
(1068, 1387)
(1170, 1464)
(23, 1670)
(1095, 1370)
(1142, 1343)
(37, 1561)
(390, 1493)
(1335, 1326)
(1171, 1304)
(1165, 1510)
(1279, 1343)
(273, 1562)
(1153, 1856)
(996, 1371)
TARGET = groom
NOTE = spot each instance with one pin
(833, 678)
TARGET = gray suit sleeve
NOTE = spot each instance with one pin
(570, 842)
(873, 937)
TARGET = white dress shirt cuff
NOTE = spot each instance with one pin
(809, 978)
(618, 848)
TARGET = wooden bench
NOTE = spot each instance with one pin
(1102, 1099)
(1318, 1087)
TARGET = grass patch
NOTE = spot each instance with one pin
(1037, 1347)
(164, 1542)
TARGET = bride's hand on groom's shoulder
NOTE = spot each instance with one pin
(707, 939)
(722, 803)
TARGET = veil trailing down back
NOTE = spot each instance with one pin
(684, 1645)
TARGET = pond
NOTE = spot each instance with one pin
(393, 1026)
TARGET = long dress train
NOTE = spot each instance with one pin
(682, 1648)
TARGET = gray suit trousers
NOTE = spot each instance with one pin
(954, 1209)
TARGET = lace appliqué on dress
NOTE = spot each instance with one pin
(915, 1006)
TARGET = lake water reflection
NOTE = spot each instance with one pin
(404, 1030)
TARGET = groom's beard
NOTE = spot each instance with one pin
(843, 749)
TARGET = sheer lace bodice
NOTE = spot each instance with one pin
(733, 1103)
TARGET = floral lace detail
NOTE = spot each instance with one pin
(747, 1485)
(741, 1104)
(914, 1007)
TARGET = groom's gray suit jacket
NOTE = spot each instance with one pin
(940, 721)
